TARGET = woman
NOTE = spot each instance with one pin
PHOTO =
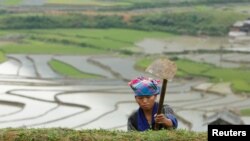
(146, 91)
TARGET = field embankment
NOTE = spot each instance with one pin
(62, 134)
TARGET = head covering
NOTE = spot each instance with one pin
(143, 86)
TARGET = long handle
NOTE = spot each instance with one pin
(161, 101)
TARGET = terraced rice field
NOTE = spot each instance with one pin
(33, 95)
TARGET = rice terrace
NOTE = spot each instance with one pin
(65, 65)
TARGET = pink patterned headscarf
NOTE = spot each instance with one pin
(143, 86)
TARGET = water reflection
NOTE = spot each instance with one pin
(32, 95)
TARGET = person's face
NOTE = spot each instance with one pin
(146, 102)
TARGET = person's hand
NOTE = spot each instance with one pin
(161, 119)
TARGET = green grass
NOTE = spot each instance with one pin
(69, 71)
(75, 41)
(238, 77)
(89, 2)
(38, 47)
(63, 134)
(192, 68)
(142, 64)
(125, 35)
(103, 43)
(11, 2)
(2, 57)
(245, 112)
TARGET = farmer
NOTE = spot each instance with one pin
(145, 117)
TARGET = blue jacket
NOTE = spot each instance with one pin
(133, 120)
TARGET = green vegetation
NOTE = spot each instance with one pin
(245, 112)
(126, 4)
(198, 20)
(88, 2)
(11, 2)
(239, 78)
(74, 41)
(62, 134)
(69, 71)
(34, 47)
(2, 57)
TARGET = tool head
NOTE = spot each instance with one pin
(162, 68)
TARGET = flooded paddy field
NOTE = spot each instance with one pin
(33, 95)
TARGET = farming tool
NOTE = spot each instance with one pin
(164, 69)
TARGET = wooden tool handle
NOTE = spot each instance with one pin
(161, 101)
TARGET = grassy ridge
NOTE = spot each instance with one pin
(62, 134)
(88, 2)
(69, 71)
(2, 57)
(11, 2)
(74, 41)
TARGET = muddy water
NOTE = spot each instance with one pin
(181, 43)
